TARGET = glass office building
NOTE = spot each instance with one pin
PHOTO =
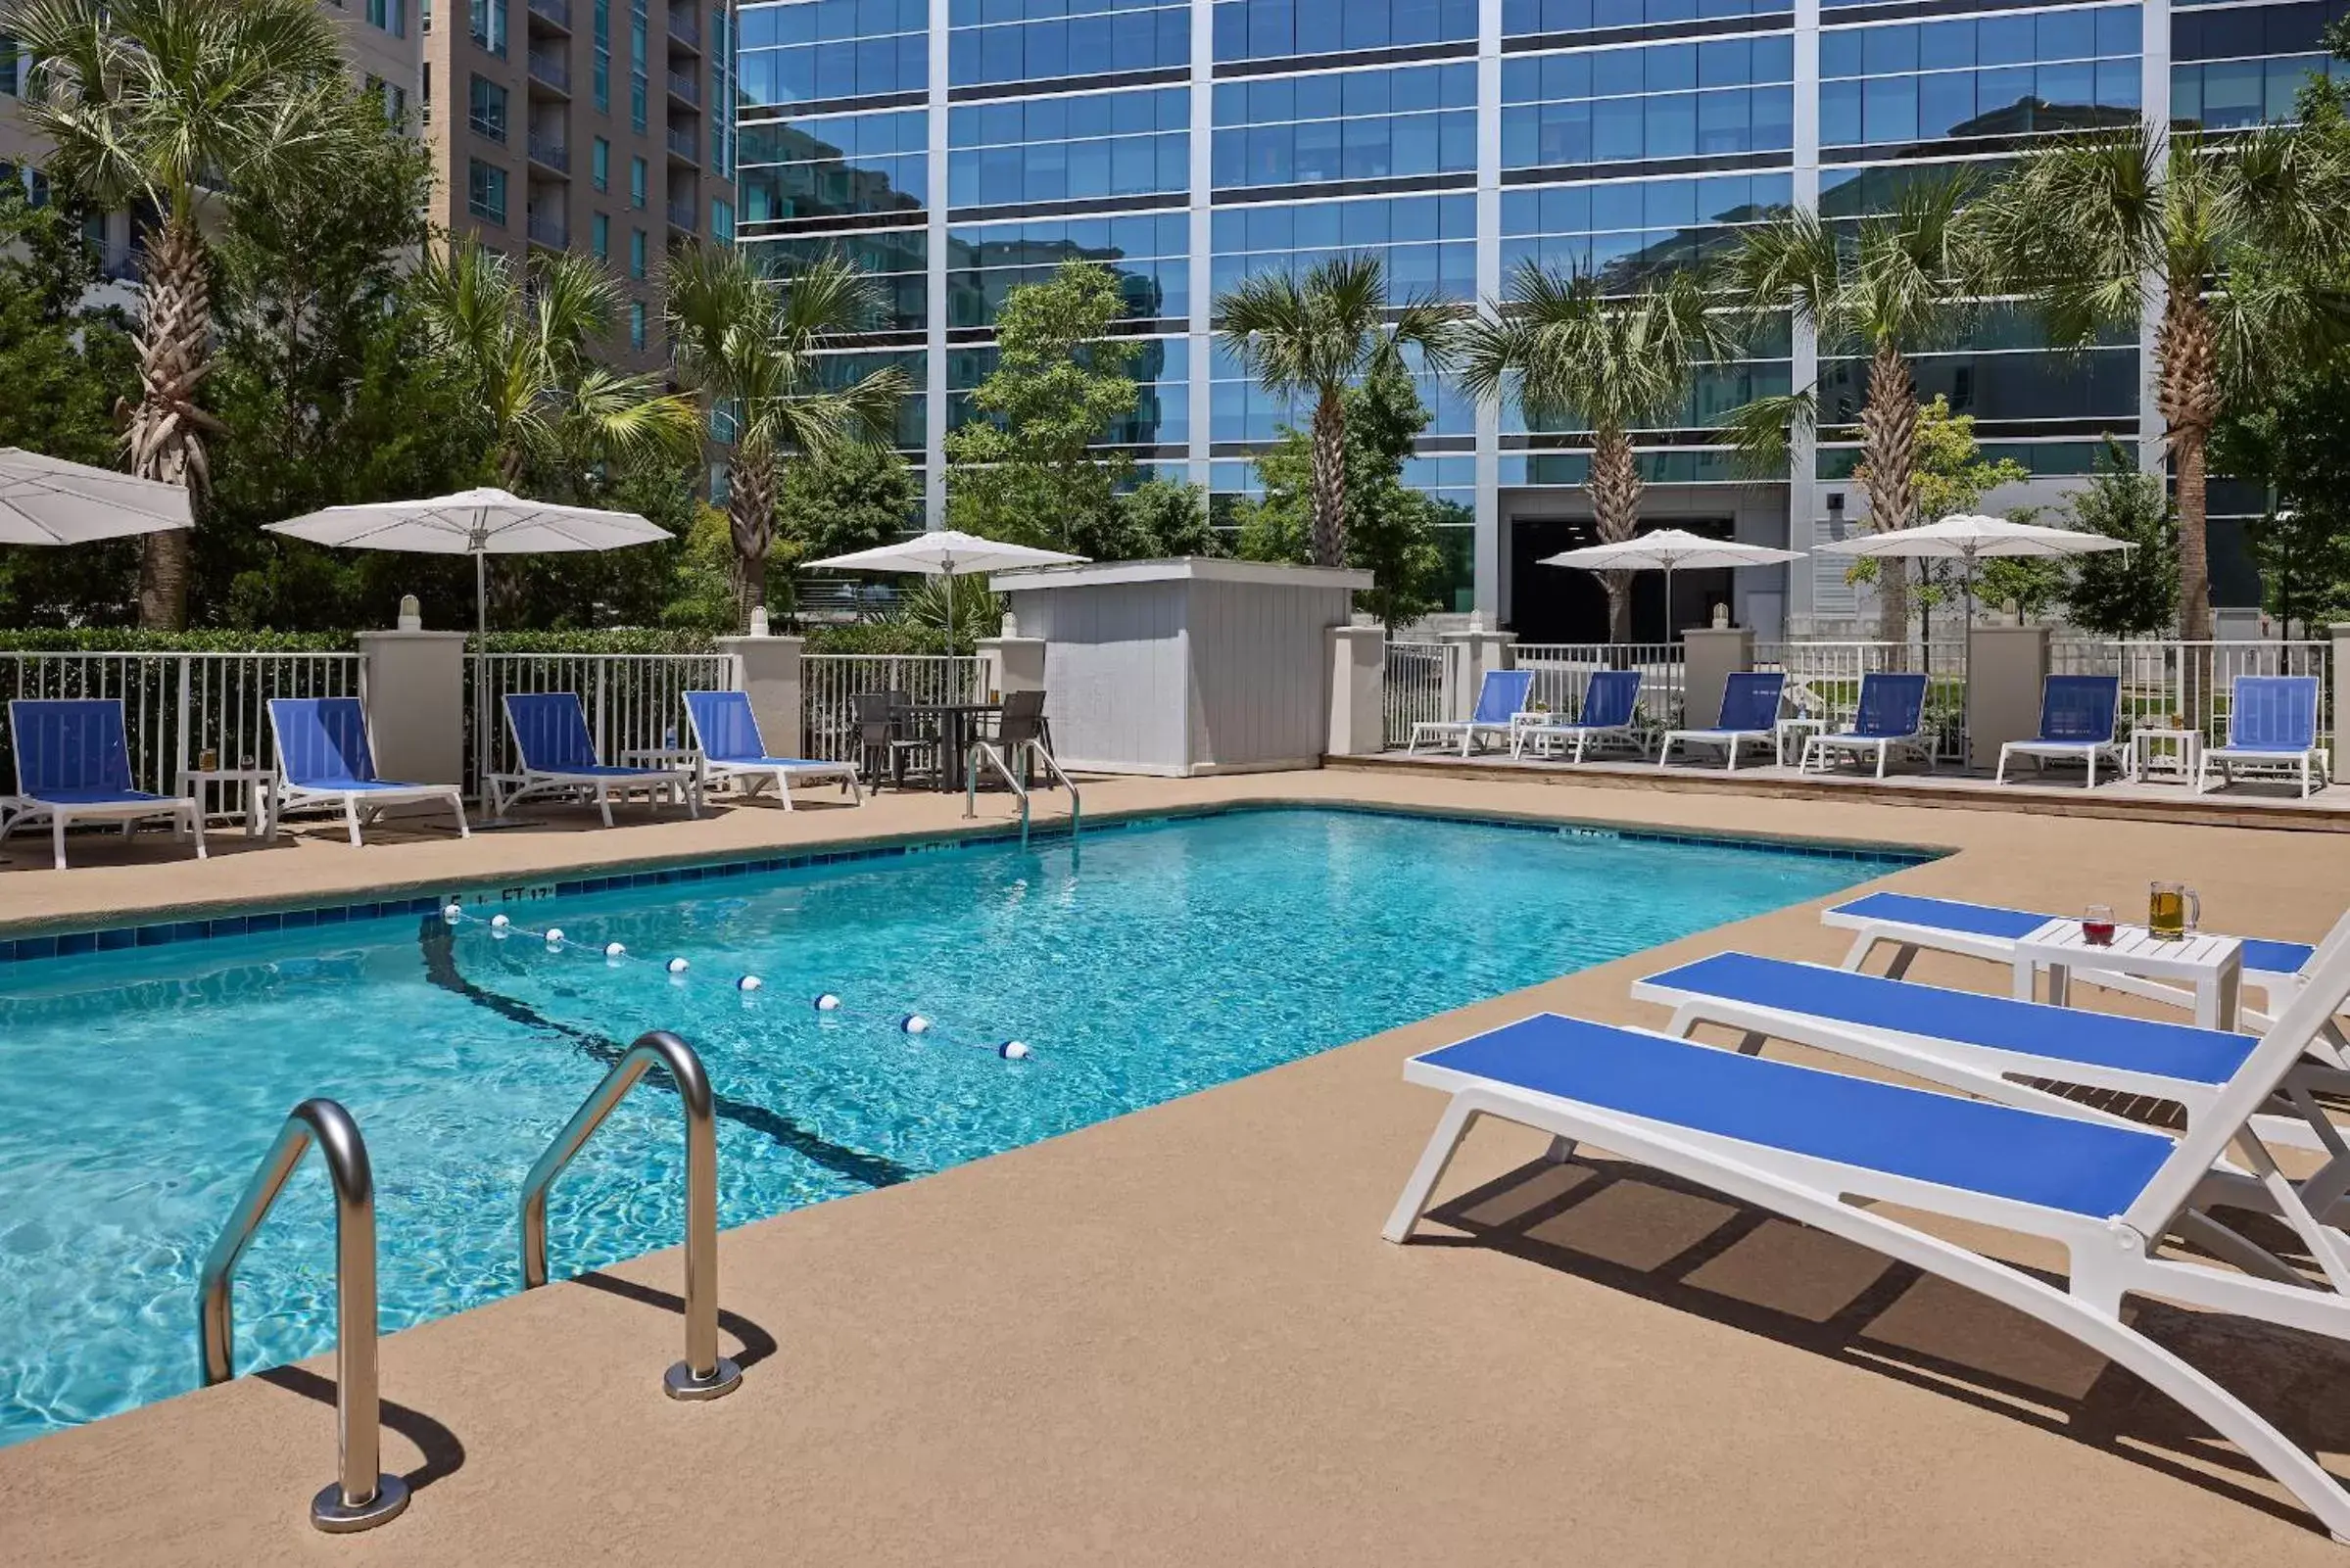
(957, 148)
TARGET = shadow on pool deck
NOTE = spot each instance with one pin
(443, 1450)
(1651, 1235)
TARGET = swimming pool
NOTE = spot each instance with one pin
(146, 1082)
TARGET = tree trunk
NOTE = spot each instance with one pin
(164, 429)
(1614, 486)
(1330, 481)
(1888, 424)
(2187, 394)
(750, 520)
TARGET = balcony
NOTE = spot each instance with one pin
(685, 145)
(548, 70)
(682, 216)
(685, 28)
(549, 234)
(557, 14)
(684, 89)
(548, 153)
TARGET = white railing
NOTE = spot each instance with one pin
(2169, 685)
(633, 701)
(1562, 673)
(1823, 681)
(1412, 691)
(178, 706)
(831, 682)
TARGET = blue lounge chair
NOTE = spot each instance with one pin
(2077, 715)
(2271, 723)
(726, 735)
(1610, 713)
(324, 760)
(73, 765)
(558, 758)
(1891, 719)
(1854, 1156)
(1500, 698)
(1749, 716)
(1910, 924)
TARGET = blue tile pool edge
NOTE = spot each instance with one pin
(37, 945)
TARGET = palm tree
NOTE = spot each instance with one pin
(518, 341)
(152, 105)
(1319, 335)
(2222, 234)
(1565, 349)
(1887, 285)
(750, 345)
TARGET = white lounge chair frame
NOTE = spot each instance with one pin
(2109, 1259)
(2086, 751)
(17, 811)
(1585, 736)
(1816, 747)
(1470, 729)
(1728, 740)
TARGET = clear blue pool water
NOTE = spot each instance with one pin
(144, 1085)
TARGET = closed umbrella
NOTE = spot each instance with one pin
(1968, 538)
(48, 500)
(949, 554)
(1666, 549)
(479, 523)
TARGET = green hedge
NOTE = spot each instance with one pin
(118, 639)
(864, 637)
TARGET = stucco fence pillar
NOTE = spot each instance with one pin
(1357, 695)
(414, 685)
(2007, 665)
(1709, 656)
(1469, 656)
(1011, 662)
(2337, 672)
(768, 669)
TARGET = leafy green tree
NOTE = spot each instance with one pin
(63, 367)
(1317, 336)
(2129, 592)
(851, 497)
(2298, 442)
(750, 345)
(1389, 528)
(2234, 234)
(150, 104)
(1564, 351)
(1888, 286)
(1028, 468)
(1158, 519)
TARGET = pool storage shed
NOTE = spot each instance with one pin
(1185, 667)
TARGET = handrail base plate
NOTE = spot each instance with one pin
(680, 1383)
(330, 1513)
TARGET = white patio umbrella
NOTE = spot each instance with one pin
(1666, 549)
(479, 523)
(948, 553)
(48, 500)
(1969, 538)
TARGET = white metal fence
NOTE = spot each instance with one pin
(178, 706)
(633, 701)
(2188, 685)
(1413, 689)
(1823, 681)
(1562, 673)
(831, 682)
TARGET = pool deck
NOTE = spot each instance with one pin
(1178, 1337)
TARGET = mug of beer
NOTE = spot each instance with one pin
(2172, 910)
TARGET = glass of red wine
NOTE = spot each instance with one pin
(2097, 926)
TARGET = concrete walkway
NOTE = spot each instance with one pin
(1178, 1338)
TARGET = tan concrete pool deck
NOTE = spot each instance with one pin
(1178, 1337)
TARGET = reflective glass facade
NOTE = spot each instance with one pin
(958, 148)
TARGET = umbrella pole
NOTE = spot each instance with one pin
(481, 672)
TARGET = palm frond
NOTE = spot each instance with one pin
(1762, 432)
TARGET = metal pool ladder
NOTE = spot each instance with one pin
(985, 751)
(703, 1374)
(361, 1497)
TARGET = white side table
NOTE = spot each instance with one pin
(2190, 745)
(1802, 730)
(2214, 965)
(685, 759)
(256, 782)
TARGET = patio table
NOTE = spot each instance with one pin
(957, 721)
(2214, 965)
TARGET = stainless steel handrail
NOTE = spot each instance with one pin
(703, 1374)
(361, 1497)
(970, 785)
(1075, 806)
